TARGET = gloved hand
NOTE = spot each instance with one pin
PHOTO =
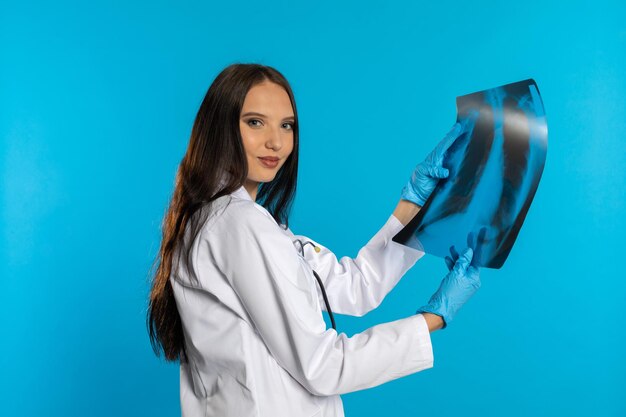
(456, 288)
(427, 173)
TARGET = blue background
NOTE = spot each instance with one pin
(97, 103)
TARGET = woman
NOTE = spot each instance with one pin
(238, 298)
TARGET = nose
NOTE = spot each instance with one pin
(274, 139)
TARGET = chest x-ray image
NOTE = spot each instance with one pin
(495, 166)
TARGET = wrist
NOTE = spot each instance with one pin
(433, 321)
(405, 211)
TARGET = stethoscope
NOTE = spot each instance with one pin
(319, 281)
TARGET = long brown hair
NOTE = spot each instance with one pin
(215, 148)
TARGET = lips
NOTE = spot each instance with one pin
(269, 158)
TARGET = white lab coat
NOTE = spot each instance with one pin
(256, 340)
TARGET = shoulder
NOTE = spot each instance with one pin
(242, 234)
(231, 215)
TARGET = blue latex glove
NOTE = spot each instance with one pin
(427, 173)
(456, 288)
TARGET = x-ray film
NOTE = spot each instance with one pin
(495, 166)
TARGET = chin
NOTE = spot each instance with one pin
(261, 180)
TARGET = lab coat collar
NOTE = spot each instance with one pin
(241, 192)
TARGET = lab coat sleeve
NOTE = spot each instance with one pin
(357, 286)
(265, 271)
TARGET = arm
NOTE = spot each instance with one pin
(357, 286)
(433, 321)
(274, 287)
(405, 211)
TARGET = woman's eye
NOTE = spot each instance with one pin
(257, 122)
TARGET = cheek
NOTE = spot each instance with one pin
(291, 143)
(248, 140)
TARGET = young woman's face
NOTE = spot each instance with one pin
(266, 126)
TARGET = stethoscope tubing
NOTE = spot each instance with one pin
(319, 281)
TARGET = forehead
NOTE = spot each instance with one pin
(268, 98)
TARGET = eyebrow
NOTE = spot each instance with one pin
(253, 113)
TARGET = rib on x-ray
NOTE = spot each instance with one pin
(495, 166)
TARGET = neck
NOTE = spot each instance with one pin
(252, 188)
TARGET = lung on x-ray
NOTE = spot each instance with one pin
(495, 166)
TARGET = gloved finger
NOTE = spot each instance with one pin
(480, 240)
(481, 237)
(449, 139)
(438, 172)
(470, 240)
(454, 253)
(449, 263)
(464, 261)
